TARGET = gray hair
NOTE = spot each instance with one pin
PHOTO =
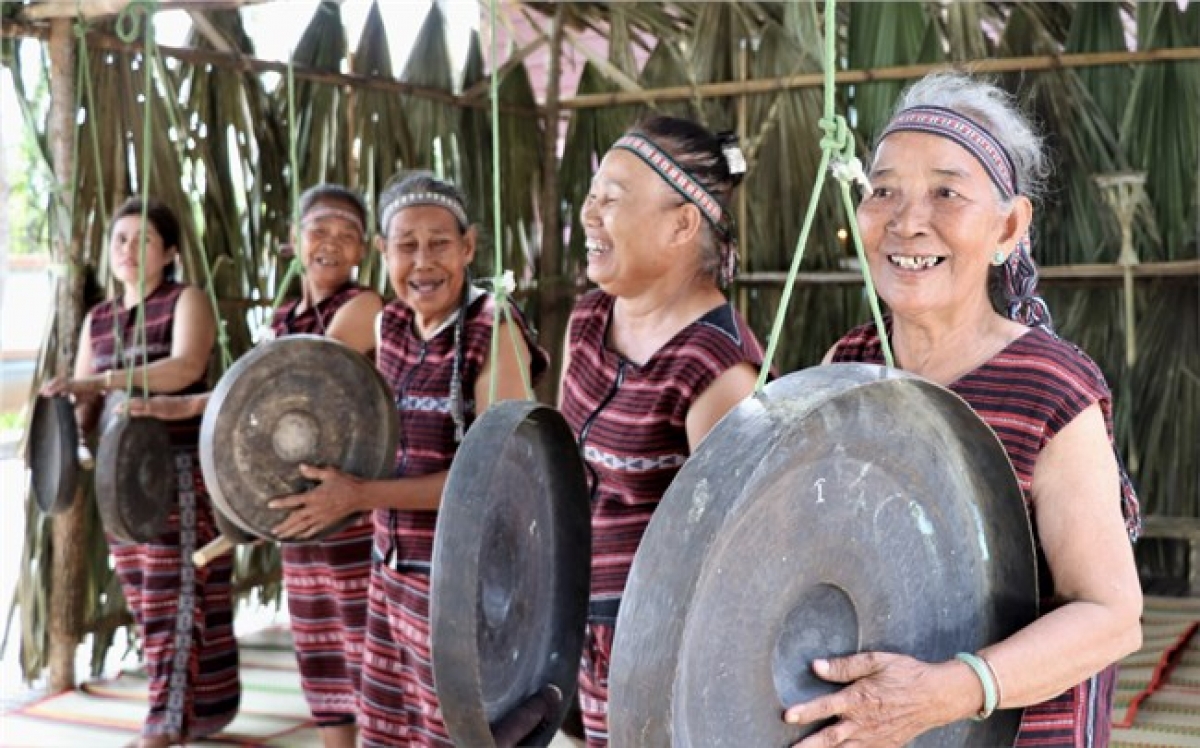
(993, 108)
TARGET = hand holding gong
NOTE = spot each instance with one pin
(309, 513)
(303, 399)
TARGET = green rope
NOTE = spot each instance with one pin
(503, 283)
(127, 29)
(209, 286)
(296, 266)
(837, 148)
(81, 31)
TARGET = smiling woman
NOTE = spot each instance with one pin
(953, 177)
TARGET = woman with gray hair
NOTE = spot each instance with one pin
(952, 186)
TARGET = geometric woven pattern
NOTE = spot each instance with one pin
(632, 464)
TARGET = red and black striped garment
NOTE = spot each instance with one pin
(326, 580)
(1027, 393)
(397, 702)
(184, 614)
(631, 423)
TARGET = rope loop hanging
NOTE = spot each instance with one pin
(129, 20)
(837, 157)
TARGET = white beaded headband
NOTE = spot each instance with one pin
(424, 198)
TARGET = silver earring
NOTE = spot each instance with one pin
(998, 257)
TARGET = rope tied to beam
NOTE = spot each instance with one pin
(837, 157)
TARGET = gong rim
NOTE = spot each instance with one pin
(51, 452)
(135, 478)
(498, 638)
(261, 423)
(743, 489)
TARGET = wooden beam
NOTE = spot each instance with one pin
(50, 9)
(242, 63)
(1053, 273)
(899, 72)
(606, 68)
(211, 33)
(480, 88)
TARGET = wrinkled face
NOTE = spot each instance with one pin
(124, 252)
(629, 223)
(331, 243)
(931, 225)
(427, 255)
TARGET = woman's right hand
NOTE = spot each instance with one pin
(60, 385)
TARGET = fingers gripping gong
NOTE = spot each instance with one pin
(299, 399)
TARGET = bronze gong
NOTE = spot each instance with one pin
(845, 508)
(135, 478)
(52, 453)
(509, 587)
(298, 399)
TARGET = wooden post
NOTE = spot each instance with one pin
(742, 300)
(552, 312)
(66, 594)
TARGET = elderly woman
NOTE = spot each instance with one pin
(326, 580)
(434, 350)
(952, 180)
(184, 614)
(657, 355)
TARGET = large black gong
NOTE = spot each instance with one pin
(511, 567)
(845, 508)
(52, 453)
(135, 478)
(298, 399)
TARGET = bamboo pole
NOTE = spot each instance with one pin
(743, 297)
(899, 72)
(67, 573)
(1052, 274)
(551, 314)
(245, 64)
(50, 9)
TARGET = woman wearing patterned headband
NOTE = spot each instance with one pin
(434, 349)
(657, 355)
(950, 208)
(183, 614)
(326, 580)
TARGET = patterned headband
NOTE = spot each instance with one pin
(423, 198)
(936, 120)
(325, 211)
(694, 192)
(1018, 273)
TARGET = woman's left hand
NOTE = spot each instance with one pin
(890, 699)
(311, 512)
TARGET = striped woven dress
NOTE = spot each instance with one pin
(326, 580)
(631, 423)
(184, 614)
(1027, 393)
(398, 704)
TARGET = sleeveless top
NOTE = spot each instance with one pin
(1027, 393)
(419, 373)
(316, 319)
(631, 424)
(117, 343)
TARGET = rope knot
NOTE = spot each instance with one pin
(128, 23)
(837, 138)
